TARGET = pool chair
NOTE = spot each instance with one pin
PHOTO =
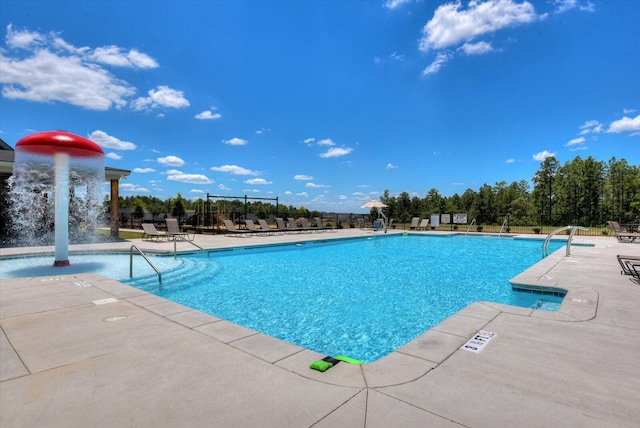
(231, 230)
(251, 226)
(414, 223)
(424, 224)
(292, 225)
(173, 229)
(264, 226)
(150, 232)
(627, 262)
(306, 226)
(323, 228)
(634, 269)
(620, 235)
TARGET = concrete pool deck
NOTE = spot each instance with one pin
(84, 350)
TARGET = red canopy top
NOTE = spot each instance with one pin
(52, 142)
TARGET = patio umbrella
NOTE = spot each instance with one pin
(373, 204)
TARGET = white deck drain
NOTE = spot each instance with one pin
(478, 341)
(104, 301)
(82, 284)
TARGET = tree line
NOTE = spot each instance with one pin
(584, 192)
(581, 192)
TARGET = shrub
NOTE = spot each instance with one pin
(536, 230)
(605, 232)
(479, 228)
(455, 227)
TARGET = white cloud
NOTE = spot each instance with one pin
(288, 192)
(208, 115)
(170, 161)
(628, 110)
(254, 181)
(566, 5)
(315, 186)
(223, 187)
(342, 197)
(476, 48)
(543, 155)
(336, 152)
(436, 65)
(591, 126)
(392, 4)
(235, 142)
(54, 70)
(48, 77)
(233, 169)
(114, 156)
(326, 142)
(575, 141)
(110, 142)
(143, 170)
(129, 187)
(576, 148)
(162, 96)
(117, 57)
(511, 160)
(302, 177)
(451, 26)
(626, 124)
(303, 194)
(23, 39)
(197, 191)
(390, 166)
(308, 140)
(175, 175)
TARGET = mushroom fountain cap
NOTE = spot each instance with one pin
(51, 142)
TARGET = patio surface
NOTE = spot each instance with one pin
(84, 350)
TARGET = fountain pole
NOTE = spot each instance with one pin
(61, 160)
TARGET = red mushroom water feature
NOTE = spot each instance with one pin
(69, 158)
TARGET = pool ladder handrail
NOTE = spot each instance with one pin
(146, 258)
(175, 250)
(502, 227)
(469, 228)
(545, 245)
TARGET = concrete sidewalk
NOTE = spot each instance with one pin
(84, 350)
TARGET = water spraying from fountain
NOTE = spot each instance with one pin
(55, 162)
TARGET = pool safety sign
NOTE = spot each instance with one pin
(478, 341)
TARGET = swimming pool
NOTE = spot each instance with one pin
(362, 298)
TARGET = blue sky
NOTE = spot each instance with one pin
(325, 104)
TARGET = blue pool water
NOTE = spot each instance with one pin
(362, 298)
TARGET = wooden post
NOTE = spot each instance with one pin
(115, 221)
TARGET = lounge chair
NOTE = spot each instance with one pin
(424, 224)
(292, 225)
(634, 269)
(231, 229)
(620, 235)
(251, 226)
(149, 232)
(173, 229)
(321, 227)
(626, 263)
(414, 223)
(264, 226)
(306, 226)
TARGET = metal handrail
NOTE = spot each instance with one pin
(469, 228)
(502, 227)
(175, 250)
(146, 258)
(545, 245)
